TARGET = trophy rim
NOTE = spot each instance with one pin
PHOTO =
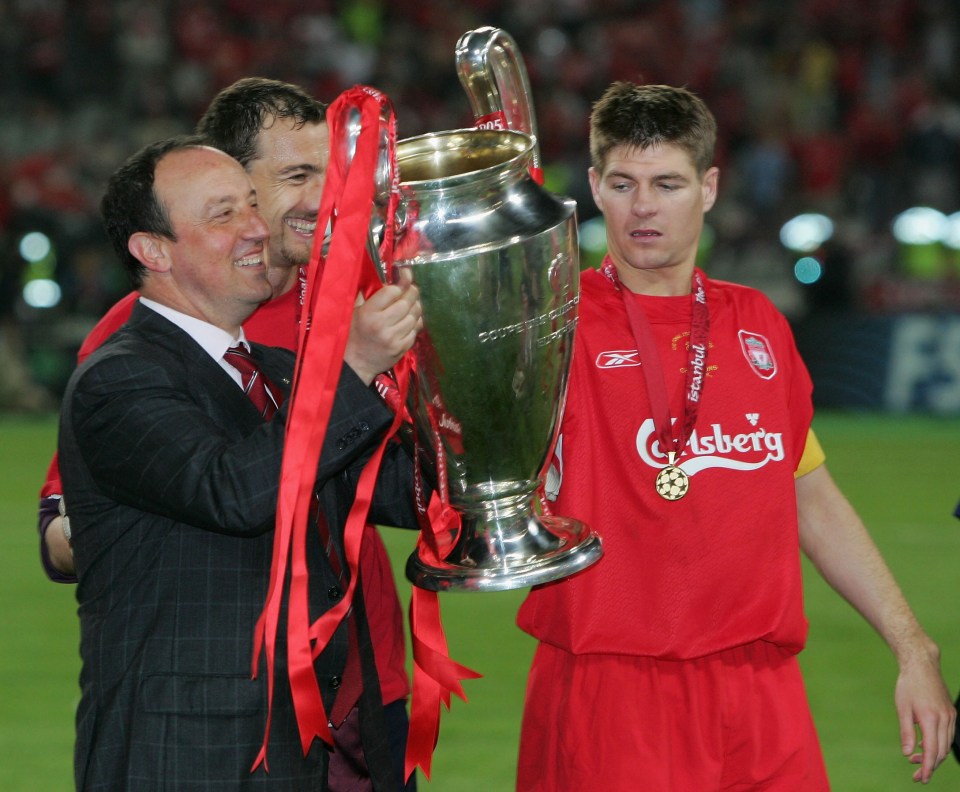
(518, 150)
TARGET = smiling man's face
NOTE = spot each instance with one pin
(288, 174)
(213, 268)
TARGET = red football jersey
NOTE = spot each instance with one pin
(721, 566)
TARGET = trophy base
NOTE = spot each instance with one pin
(495, 557)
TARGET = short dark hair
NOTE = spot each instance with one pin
(641, 116)
(130, 203)
(236, 115)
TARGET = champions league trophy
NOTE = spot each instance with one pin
(495, 258)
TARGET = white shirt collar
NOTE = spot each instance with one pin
(214, 340)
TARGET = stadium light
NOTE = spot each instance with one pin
(35, 246)
(40, 290)
(42, 293)
(951, 236)
(921, 232)
(593, 235)
(806, 232)
(920, 225)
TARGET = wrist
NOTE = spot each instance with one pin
(922, 650)
(56, 553)
(365, 376)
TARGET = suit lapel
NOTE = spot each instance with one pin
(209, 383)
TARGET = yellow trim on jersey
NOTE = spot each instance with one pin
(813, 455)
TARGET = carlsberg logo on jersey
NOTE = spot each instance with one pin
(714, 448)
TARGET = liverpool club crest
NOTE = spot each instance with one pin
(758, 353)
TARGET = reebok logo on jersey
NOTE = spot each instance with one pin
(618, 358)
(714, 448)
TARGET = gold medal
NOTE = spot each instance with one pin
(672, 482)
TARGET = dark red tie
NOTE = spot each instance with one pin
(261, 391)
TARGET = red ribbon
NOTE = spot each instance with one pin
(435, 677)
(672, 442)
(332, 285)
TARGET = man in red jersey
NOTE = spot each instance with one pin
(279, 134)
(687, 445)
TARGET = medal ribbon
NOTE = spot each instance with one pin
(671, 443)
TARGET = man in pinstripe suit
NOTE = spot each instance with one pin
(172, 476)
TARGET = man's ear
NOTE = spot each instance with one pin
(149, 250)
(710, 183)
(594, 178)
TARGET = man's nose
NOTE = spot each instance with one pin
(256, 226)
(644, 202)
(313, 191)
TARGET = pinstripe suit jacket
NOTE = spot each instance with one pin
(171, 480)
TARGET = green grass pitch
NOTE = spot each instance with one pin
(902, 473)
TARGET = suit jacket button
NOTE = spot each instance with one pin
(335, 682)
(334, 593)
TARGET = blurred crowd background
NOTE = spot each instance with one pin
(847, 110)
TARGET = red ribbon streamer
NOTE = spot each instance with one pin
(332, 285)
(435, 677)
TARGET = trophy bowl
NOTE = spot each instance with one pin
(494, 256)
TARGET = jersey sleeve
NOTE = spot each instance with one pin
(109, 323)
(813, 455)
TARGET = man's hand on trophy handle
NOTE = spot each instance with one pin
(384, 327)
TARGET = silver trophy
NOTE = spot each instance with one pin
(494, 256)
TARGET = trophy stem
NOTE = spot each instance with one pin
(506, 545)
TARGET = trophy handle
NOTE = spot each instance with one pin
(493, 74)
(386, 178)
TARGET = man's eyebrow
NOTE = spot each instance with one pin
(668, 176)
(226, 200)
(216, 203)
(303, 166)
